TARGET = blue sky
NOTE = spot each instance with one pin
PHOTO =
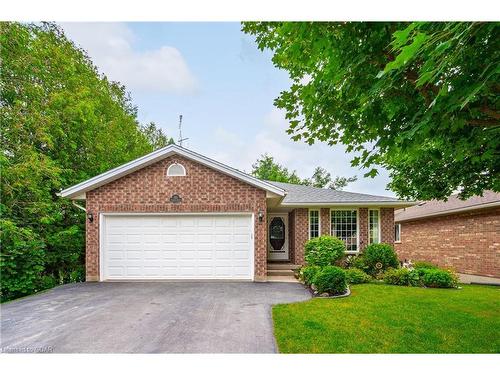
(214, 75)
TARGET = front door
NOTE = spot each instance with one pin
(277, 234)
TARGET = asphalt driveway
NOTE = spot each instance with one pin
(147, 317)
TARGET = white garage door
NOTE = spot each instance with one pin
(177, 247)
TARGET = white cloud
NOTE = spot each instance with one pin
(109, 45)
(273, 139)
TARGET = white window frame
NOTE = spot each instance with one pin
(357, 225)
(309, 221)
(379, 223)
(176, 165)
(395, 239)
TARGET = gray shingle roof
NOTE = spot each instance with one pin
(297, 194)
(435, 207)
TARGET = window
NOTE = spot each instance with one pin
(397, 233)
(176, 169)
(313, 223)
(374, 226)
(344, 225)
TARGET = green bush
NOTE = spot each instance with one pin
(357, 276)
(402, 276)
(379, 257)
(423, 264)
(308, 273)
(324, 251)
(331, 280)
(438, 278)
(21, 261)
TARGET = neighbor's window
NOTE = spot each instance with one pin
(374, 226)
(344, 225)
(176, 170)
(397, 233)
(313, 223)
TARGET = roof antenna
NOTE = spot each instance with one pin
(180, 132)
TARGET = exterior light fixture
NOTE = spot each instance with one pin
(260, 215)
(90, 217)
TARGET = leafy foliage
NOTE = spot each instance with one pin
(357, 276)
(61, 123)
(438, 278)
(308, 273)
(22, 260)
(266, 168)
(423, 276)
(331, 280)
(402, 276)
(420, 99)
(324, 251)
(378, 257)
(422, 264)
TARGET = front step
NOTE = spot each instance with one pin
(280, 273)
(282, 266)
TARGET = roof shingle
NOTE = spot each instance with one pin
(297, 194)
(435, 207)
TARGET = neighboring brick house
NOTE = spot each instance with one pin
(176, 214)
(463, 235)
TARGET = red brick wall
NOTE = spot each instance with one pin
(363, 227)
(300, 234)
(325, 221)
(467, 242)
(291, 236)
(299, 229)
(387, 225)
(202, 190)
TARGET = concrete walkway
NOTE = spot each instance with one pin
(474, 279)
(147, 317)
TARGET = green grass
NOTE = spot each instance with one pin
(393, 319)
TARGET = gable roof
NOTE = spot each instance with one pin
(452, 205)
(301, 195)
(78, 191)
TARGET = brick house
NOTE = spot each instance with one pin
(463, 235)
(176, 214)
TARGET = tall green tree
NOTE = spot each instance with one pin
(266, 168)
(61, 123)
(420, 99)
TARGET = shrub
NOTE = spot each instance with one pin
(21, 261)
(402, 276)
(423, 264)
(357, 276)
(359, 263)
(324, 251)
(378, 257)
(438, 278)
(331, 280)
(308, 273)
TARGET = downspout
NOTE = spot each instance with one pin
(78, 206)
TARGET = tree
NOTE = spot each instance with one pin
(266, 168)
(155, 136)
(420, 99)
(321, 178)
(61, 123)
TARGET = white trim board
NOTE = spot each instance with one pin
(78, 190)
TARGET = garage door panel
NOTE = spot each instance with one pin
(177, 246)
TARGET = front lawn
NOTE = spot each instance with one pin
(393, 319)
